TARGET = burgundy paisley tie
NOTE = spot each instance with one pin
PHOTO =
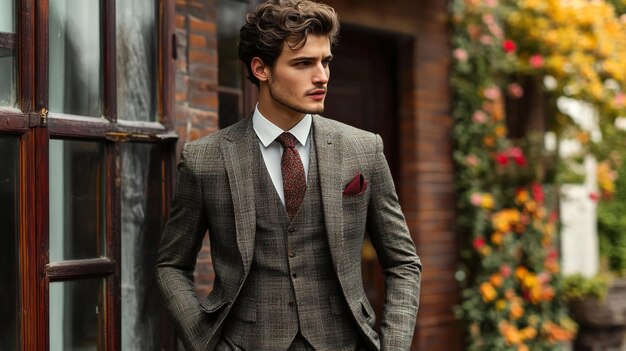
(294, 181)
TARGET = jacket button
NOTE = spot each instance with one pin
(291, 303)
(290, 229)
(292, 254)
(294, 275)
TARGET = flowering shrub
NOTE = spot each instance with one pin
(510, 273)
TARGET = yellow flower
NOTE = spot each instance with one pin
(485, 250)
(500, 131)
(487, 201)
(496, 238)
(488, 292)
(528, 333)
(530, 280)
(500, 304)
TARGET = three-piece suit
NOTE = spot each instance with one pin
(278, 277)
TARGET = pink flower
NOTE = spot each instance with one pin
(620, 99)
(492, 93)
(460, 54)
(543, 277)
(509, 46)
(486, 39)
(518, 156)
(479, 117)
(515, 90)
(536, 61)
(472, 160)
(491, 3)
(505, 270)
(594, 196)
(476, 199)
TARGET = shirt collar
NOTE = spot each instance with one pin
(268, 131)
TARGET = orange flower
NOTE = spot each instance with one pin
(521, 272)
(547, 293)
(517, 311)
(522, 196)
(488, 292)
(489, 141)
(496, 280)
(500, 131)
(496, 238)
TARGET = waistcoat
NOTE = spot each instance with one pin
(292, 286)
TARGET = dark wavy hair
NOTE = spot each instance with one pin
(283, 21)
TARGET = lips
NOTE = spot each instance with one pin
(317, 94)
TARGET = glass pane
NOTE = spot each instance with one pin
(77, 201)
(7, 17)
(229, 21)
(75, 84)
(7, 78)
(142, 223)
(136, 59)
(77, 315)
(9, 234)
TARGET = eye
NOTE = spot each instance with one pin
(302, 63)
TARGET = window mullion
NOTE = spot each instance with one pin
(109, 61)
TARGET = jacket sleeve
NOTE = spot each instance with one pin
(180, 243)
(401, 266)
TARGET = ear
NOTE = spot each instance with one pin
(259, 69)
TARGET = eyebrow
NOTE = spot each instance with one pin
(307, 58)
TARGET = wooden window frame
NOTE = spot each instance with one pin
(34, 126)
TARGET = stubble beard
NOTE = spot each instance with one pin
(292, 106)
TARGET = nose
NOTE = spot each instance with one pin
(321, 74)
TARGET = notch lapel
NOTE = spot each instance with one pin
(239, 161)
(330, 161)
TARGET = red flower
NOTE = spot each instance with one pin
(509, 46)
(479, 242)
(502, 159)
(594, 196)
(538, 195)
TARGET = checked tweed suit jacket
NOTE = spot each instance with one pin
(215, 191)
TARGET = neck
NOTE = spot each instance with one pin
(280, 115)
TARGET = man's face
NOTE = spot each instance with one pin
(298, 81)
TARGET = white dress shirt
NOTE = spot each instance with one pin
(272, 150)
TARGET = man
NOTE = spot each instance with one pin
(287, 212)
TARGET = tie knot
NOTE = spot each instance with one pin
(287, 140)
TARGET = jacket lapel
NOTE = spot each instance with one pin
(330, 161)
(239, 161)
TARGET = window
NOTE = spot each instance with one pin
(235, 93)
(87, 145)
(7, 53)
(9, 236)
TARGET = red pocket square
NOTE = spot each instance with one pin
(357, 185)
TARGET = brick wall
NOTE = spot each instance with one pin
(196, 92)
(429, 175)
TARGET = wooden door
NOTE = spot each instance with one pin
(363, 93)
